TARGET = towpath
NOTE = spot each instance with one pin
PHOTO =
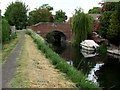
(9, 66)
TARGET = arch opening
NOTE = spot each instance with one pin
(56, 39)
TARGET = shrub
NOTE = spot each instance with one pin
(5, 30)
(102, 49)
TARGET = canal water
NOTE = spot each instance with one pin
(103, 70)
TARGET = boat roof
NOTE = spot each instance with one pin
(89, 43)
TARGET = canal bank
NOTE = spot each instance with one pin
(72, 73)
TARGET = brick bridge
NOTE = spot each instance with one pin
(44, 28)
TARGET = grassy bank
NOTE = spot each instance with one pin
(72, 73)
(8, 47)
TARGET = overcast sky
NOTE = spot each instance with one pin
(67, 6)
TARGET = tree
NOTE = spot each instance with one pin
(108, 6)
(16, 14)
(60, 16)
(42, 14)
(110, 22)
(104, 23)
(81, 27)
(96, 10)
(113, 33)
(46, 6)
(107, 9)
(5, 30)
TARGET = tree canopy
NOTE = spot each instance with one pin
(60, 16)
(16, 14)
(46, 6)
(41, 14)
(96, 10)
(110, 22)
(113, 33)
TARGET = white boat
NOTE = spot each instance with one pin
(88, 53)
(89, 45)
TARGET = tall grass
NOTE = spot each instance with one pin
(72, 73)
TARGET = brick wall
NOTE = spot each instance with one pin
(44, 28)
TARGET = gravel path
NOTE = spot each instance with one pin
(9, 67)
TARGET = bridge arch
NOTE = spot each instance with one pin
(43, 29)
(55, 36)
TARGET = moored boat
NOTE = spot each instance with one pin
(89, 45)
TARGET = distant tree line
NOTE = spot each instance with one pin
(17, 15)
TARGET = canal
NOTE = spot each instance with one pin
(103, 70)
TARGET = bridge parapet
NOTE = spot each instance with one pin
(44, 28)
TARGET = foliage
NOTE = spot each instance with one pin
(90, 25)
(95, 10)
(110, 22)
(81, 27)
(104, 23)
(60, 16)
(113, 33)
(102, 49)
(118, 10)
(5, 30)
(107, 9)
(108, 6)
(46, 6)
(42, 14)
(75, 75)
(16, 14)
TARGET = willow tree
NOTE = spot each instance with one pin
(82, 26)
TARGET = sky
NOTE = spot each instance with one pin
(68, 6)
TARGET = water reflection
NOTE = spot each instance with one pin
(109, 74)
(88, 53)
(92, 76)
(104, 70)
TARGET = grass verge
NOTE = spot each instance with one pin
(8, 47)
(76, 76)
